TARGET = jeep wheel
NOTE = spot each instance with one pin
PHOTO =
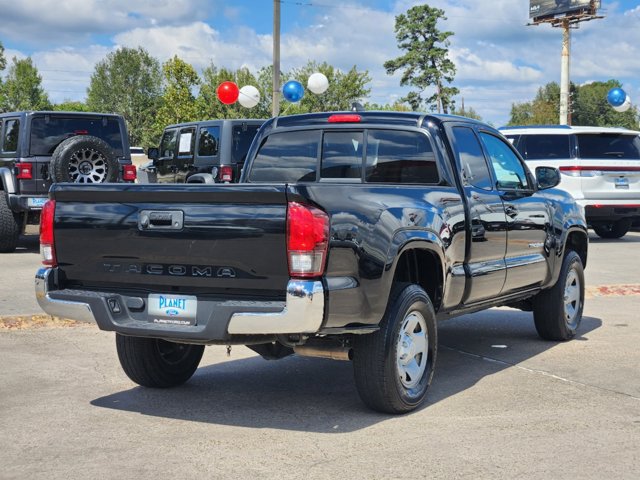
(394, 366)
(614, 229)
(557, 312)
(157, 363)
(83, 159)
(9, 225)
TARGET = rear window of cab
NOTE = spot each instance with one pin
(372, 156)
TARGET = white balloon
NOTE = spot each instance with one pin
(249, 96)
(625, 106)
(318, 83)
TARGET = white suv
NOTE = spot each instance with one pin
(600, 167)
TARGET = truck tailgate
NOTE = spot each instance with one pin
(191, 239)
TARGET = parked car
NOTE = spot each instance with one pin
(599, 166)
(349, 236)
(208, 151)
(38, 148)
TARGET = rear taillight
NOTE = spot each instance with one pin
(307, 240)
(595, 171)
(24, 171)
(47, 244)
(226, 173)
(129, 173)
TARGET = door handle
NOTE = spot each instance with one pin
(511, 211)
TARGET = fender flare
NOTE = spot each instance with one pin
(7, 181)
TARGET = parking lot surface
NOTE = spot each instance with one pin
(503, 403)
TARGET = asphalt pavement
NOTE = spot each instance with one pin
(503, 404)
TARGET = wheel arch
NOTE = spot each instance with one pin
(578, 241)
(418, 258)
(7, 182)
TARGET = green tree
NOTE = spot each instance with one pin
(466, 112)
(3, 61)
(22, 88)
(592, 109)
(344, 89)
(393, 107)
(128, 82)
(71, 106)
(426, 62)
(178, 104)
(210, 107)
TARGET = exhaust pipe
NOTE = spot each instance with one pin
(332, 353)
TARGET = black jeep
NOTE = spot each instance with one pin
(39, 148)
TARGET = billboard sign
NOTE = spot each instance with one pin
(552, 8)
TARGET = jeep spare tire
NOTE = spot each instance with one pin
(83, 159)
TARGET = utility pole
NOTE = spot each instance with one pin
(276, 59)
(564, 73)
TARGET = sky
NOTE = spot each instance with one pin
(500, 60)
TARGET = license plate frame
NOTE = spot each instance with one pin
(171, 309)
(36, 202)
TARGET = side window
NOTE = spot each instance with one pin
(10, 140)
(168, 143)
(187, 142)
(342, 155)
(395, 156)
(510, 173)
(209, 141)
(287, 157)
(242, 138)
(472, 162)
(544, 147)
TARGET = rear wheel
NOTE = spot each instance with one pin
(155, 363)
(557, 312)
(616, 229)
(394, 366)
(9, 225)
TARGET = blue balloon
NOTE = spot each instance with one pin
(293, 91)
(616, 97)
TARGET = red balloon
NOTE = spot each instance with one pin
(228, 92)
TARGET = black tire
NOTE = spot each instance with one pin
(157, 363)
(9, 225)
(83, 159)
(557, 312)
(613, 230)
(383, 383)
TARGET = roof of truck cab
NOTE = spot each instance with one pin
(372, 117)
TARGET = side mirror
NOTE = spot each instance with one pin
(548, 177)
(153, 153)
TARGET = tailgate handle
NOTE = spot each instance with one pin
(161, 220)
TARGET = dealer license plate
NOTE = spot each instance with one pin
(173, 309)
(37, 202)
(622, 182)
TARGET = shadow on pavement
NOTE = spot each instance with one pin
(28, 244)
(316, 395)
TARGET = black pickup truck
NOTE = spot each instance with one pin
(349, 237)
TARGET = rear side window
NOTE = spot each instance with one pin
(544, 147)
(614, 146)
(342, 155)
(395, 156)
(10, 139)
(47, 132)
(242, 138)
(287, 157)
(209, 141)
